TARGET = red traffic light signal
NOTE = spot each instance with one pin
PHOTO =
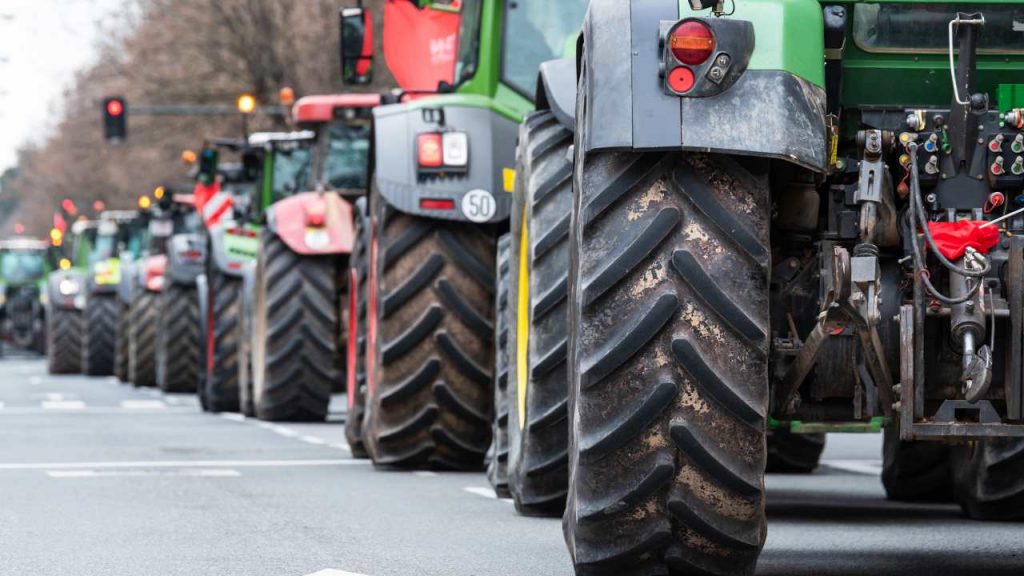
(115, 122)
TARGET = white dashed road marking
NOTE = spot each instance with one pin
(142, 404)
(63, 405)
(866, 467)
(216, 473)
(480, 491)
(54, 397)
(425, 474)
(313, 440)
(286, 432)
(233, 416)
(179, 464)
(342, 447)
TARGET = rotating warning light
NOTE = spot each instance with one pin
(64, 264)
(159, 192)
(145, 202)
(68, 205)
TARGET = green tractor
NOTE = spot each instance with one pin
(788, 218)
(437, 208)
(24, 267)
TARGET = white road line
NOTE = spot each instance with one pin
(113, 380)
(342, 447)
(425, 474)
(286, 432)
(332, 572)
(216, 473)
(233, 416)
(143, 404)
(91, 411)
(313, 440)
(180, 464)
(480, 491)
(866, 467)
(63, 405)
(35, 380)
(54, 397)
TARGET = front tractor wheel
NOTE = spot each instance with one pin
(142, 340)
(121, 343)
(429, 392)
(223, 342)
(295, 354)
(64, 340)
(178, 348)
(668, 364)
(100, 332)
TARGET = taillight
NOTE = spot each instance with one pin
(316, 212)
(692, 42)
(430, 149)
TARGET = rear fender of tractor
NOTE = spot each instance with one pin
(186, 258)
(313, 224)
(770, 103)
(474, 195)
(66, 289)
(556, 91)
(231, 249)
(126, 287)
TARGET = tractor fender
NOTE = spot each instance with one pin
(395, 164)
(126, 287)
(230, 249)
(202, 293)
(767, 111)
(186, 258)
(66, 289)
(556, 90)
(313, 223)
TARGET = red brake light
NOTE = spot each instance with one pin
(431, 154)
(437, 204)
(681, 79)
(692, 42)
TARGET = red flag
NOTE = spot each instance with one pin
(953, 238)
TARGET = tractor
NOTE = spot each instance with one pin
(789, 218)
(24, 266)
(66, 290)
(133, 247)
(437, 207)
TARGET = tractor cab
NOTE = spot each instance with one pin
(341, 151)
(23, 271)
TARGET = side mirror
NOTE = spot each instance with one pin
(356, 33)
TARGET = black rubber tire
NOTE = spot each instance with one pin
(989, 479)
(225, 316)
(668, 370)
(538, 431)
(360, 267)
(790, 453)
(497, 464)
(296, 360)
(429, 397)
(64, 341)
(916, 471)
(142, 340)
(99, 333)
(178, 349)
(121, 343)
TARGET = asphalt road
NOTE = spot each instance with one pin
(99, 479)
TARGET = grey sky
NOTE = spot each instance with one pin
(42, 43)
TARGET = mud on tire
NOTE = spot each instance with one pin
(142, 339)
(668, 364)
(497, 465)
(538, 416)
(64, 341)
(296, 360)
(429, 397)
(178, 349)
(99, 333)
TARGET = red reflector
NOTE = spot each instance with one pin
(191, 254)
(692, 42)
(681, 79)
(437, 204)
(431, 153)
(235, 265)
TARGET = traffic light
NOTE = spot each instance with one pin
(115, 119)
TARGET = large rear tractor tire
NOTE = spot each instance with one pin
(178, 347)
(916, 471)
(296, 360)
(356, 365)
(121, 343)
(429, 392)
(989, 479)
(790, 453)
(538, 333)
(100, 332)
(142, 347)
(497, 466)
(223, 345)
(64, 341)
(668, 363)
